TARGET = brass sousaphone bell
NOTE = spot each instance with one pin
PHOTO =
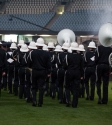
(65, 35)
(105, 34)
(105, 37)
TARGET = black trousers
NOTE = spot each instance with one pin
(47, 86)
(10, 77)
(82, 88)
(90, 74)
(61, 74)
(0, 79)
(22, 82)
(103, 75)
(28, 84)
(16, 80)
(38, 83)
(53, 83)
(4, 81)
(72, 82)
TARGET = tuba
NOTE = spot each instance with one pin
(110, 59)
(105, 34)
(65, 35)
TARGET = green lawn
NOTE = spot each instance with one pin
(14, 111)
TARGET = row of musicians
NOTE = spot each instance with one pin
(37, 63)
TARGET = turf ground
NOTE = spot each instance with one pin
(14, 111)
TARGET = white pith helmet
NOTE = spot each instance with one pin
(92, 45)
(24, 48)
(13, 46)
(74, 46)
(45, 47)
(81, 48)
(32, 45)
(58, 48)
(51, 45)
(40, 42)
(66, 45)
(21, 42)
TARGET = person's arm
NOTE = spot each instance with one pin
(65, 62)
(48, 65)
(4, 64)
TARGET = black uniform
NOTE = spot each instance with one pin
(54, 68)
(22, 60)
(10, 69)
(3, 64)
(28, 79)
(82, 85)
(74, 65)
(103, 72)
(41, 66)
(16, 67)
(61, 74)
(4, 78)
(90, 73)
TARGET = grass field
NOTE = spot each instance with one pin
(14, 111)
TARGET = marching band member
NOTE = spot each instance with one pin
(4, 78)
(74, 65)
(58, 50)
(16, 67)
(31, 47)
(53, 70)
(61, 72)
(90, 70)
(41, 68)
(22, 61)
(45, 48)
(3, 65)
(82, 86)
(10, 65)
(103, 70)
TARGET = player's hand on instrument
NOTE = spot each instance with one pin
(3, 74)
(81, 77)
(48, 75)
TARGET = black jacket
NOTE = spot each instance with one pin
(10, 56)
(90, 58)
(3, 61)
(102, 55)
(61, 57)
(22, 59)
(74, 61)
(40, 60)
(53, 58)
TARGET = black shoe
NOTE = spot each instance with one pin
(99, 101)
(5, 89)
(74, 106)
(87, 98)
(28, 100)
(104, 102)
(47, 94)
(82, 96)
(61, 102)
(9, 92)
(68, 105)
(34, 104)
(39, 105)
(53, 97)
(91, 98)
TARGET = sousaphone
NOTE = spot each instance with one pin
(65, 35)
